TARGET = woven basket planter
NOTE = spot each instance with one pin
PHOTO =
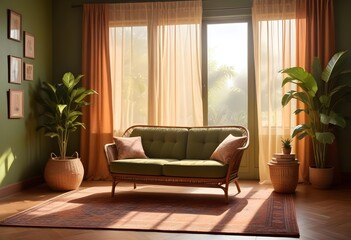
(64, 174)
(284, 173)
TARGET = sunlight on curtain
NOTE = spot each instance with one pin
(96, 69)
(129, 75)
(274, 30)
(155, 51)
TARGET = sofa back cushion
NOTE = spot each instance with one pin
(163, 142)
(203, 141)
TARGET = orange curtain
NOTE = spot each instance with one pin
(96, 69)
(315, 38)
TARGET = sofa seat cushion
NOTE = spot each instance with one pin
(139, 166)
(195, 168)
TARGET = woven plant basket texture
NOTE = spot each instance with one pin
(284, 177)
(64, 174)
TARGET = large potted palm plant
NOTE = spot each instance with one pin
(321, 92)
(61, 104)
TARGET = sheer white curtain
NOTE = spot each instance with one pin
(274, 30)
(155, 51)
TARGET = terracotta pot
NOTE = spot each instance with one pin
(286, 150)
(321, 178)
(64, 174)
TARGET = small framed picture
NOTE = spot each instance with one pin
(16, 109)
(15, 70)
(28, 71)
(28, 45)
(14, 25)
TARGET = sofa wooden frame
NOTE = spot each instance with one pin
(222, 183)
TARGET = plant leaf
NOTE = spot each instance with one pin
(334, 119)
(83, 95)
(325, 137)
(334, 66)
(305, 80)
(300, 129)
(61, 107)
(51, 134)
(297, 111)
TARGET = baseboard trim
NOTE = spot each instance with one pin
(20, 186)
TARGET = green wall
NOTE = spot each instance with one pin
(342, 11)
(23, 151)
(67, 37)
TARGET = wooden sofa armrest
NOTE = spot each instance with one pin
(110, 152)
(235, 162)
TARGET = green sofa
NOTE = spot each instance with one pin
(178, 156)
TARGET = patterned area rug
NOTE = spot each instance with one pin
(258, 213)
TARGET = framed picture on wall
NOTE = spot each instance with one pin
(28, 71)
(14, 25)
(28, 45)
(15, 70)
(15, 104)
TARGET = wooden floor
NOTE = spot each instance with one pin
(321, 214)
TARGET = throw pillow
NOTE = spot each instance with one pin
(129, 147)
(228, 148)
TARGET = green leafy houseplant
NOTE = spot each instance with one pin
(321, 91)
(286, 145)
(61, 105)
(286, 142)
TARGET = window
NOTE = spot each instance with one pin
(227, 73)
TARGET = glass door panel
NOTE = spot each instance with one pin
(227, 73)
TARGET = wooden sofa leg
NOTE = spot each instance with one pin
(225, 190)
(237, 185)
(134, 185)
(114, 183)
(226, 195)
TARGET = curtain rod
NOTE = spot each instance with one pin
(205, 9)
(124, 1)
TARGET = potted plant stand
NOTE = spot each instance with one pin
(284, 172)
